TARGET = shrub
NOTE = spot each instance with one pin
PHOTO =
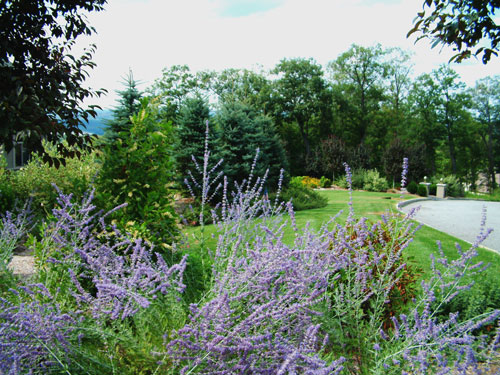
(454, 188)
(358, 178)
(325, 182)
(7, 192)
(481, 298)
(374, 182)
(432, 189)
(341, 182)
(138, 170)
(35, 180)
(412, 187)
(301, 197)
(296, 181)
(364, 179)
(422, 190)
(107, 283)
(305, 181)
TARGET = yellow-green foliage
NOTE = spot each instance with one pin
(36, 179)
(310, 182)
(137, 169)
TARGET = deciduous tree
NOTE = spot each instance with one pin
(466, 25)
(42, 83)
(359, 74)
(300, 92)
(486, 103)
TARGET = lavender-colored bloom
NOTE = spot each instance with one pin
(266, 298)
(13, 227)
(404, 173)
(442, 345)
(32, 336)
(125, 273)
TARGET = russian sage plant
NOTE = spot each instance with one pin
(34, 336)
(13, 227)
(338, 300)
(106, 271)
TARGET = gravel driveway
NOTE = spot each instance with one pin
(460, 218)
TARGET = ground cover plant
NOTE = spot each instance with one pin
(341, 299)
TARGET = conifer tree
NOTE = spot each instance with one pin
(129, 105)
(190, 134)
(240, 132)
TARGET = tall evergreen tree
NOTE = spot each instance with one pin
(190, 134)
(240, 132)
(128, 105)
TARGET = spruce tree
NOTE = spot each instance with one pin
(190, 134)
(240, 132)
(129, 105)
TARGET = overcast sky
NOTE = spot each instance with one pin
(149, 35)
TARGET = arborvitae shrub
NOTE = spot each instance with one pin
(432, 189)
(412, 187)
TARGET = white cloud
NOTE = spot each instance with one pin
(150, 35)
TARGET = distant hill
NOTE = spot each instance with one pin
(98, 124)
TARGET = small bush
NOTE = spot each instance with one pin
(374, 182)
(482, 298)
(358, 178)
(302, 198)
(8, 195)
(309, 182)
(35, 180)
(341, 182)
(296, 181)
(325, 182)
(364, 179)
(412, 187)
(432, 189)
(422, 190)
(454, 187)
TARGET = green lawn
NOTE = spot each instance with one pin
(371, 206)
(495, 196)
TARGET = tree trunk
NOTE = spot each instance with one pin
(304, 136)
(491, 164)
(453, 158)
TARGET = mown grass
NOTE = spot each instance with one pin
(494, 196)
(372, 206)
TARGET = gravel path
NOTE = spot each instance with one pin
(460, 218)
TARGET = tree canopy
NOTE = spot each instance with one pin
(42, 83)
(467, 25)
